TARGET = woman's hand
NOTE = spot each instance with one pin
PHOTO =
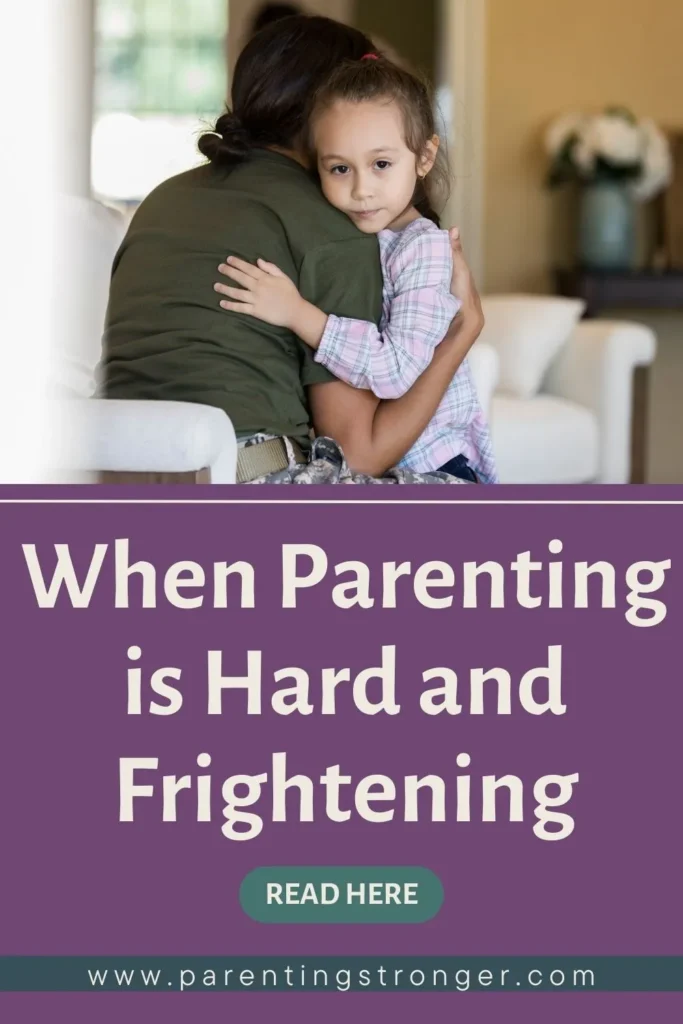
(266, 292)
(464, 288)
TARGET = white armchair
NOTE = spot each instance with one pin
(595, 370)
(577, 428)
(153, 441)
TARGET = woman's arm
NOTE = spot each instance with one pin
(376, 435)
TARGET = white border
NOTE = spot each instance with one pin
(336, 501)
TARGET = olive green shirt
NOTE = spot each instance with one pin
(166, 335)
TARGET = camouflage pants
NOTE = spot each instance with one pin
(327, 465)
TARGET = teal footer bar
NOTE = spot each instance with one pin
(341, 974)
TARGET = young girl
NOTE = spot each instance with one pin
(372, 130)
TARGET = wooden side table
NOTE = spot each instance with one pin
(637, 289)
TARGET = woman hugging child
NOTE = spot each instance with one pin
(372, 133)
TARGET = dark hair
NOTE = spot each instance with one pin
(378, 79)
(268, 14)
(275, 76)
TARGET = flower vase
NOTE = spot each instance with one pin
(607, 228)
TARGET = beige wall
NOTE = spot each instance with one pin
(240, 13)
(549, 56)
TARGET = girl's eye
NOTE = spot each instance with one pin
(339, 169)
(382, 164)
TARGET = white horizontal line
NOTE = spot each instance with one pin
(327, 501)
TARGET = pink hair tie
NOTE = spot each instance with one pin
(370, 56)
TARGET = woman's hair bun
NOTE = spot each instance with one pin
(228, 143)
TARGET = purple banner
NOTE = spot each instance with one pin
(574, 596)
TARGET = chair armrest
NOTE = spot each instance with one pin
(484, 366)
(151, 437)
(595, 369)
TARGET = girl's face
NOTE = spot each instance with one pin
(366, 169)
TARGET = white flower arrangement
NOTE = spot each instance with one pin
(611, 147)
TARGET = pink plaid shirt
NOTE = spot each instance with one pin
(418, 307)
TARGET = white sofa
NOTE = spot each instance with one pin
(577, 427)
(576, 430)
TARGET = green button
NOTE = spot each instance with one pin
(341, 895)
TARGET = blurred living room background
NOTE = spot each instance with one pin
(588, 93)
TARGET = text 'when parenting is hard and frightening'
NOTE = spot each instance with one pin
(240, 686)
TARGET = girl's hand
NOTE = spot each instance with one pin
(464, 288)
(266, 292)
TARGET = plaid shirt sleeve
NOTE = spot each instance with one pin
(388, 362)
